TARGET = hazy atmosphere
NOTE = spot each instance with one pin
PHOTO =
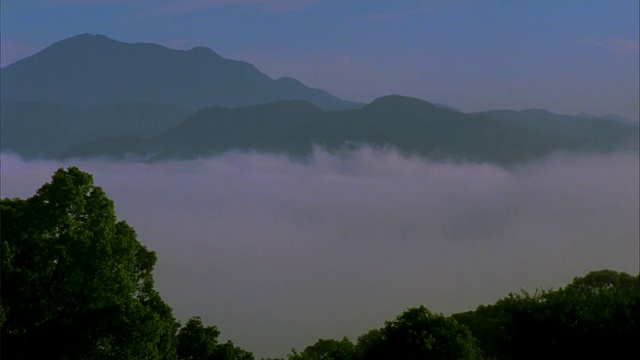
(310, 169)
(565, 56)
(279, 254)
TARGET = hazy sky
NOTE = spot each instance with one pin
(279, 254)
(567, 56)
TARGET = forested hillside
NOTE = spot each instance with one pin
(38, 130)
(411, 126)
(90, 96)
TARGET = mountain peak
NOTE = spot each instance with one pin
(288, 80)
(95, 70)
(87, 36)
(398, 101)
(204, 51)
(84, 39)
(536, 111)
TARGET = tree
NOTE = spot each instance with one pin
(326, 349)
(195, 341)
(487, 324)
(199, 342)
(419, 334)
(595, 316)
(228, 351)
(370, 343)
(415, 334)
(76, 283)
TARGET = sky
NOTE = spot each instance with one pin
(278, 254)
(570, 56)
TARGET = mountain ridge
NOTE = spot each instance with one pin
(95, 70)
(40, 130)
(412, 126)
(91, 96)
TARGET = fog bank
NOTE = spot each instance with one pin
(278, 254)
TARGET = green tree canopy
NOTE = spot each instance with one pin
(76, 283)
(596, 316)
(417, 333)
(199, 342)
(196, 341)
(326, 349)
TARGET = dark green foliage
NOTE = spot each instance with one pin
(326, 350)
(199, 342)
(370, 343)
(488, 326)
(75, 282)
(228, 351)
(195, 341)
(596, 316)
(415, 334)
(419, 334)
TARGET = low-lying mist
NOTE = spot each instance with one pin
(278, 254)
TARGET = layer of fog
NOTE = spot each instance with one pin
(279, 254)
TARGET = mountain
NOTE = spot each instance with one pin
(39, 130)
(412, 126)
(91, 96)
(613, 117)
(94, 70)
(576, 131)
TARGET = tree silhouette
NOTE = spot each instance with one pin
(76, 283)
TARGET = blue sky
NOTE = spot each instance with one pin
(568, 56)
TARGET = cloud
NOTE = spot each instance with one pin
(279, 253)
(617, 45)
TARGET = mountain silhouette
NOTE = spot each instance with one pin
(413, 127)
(576, 131)
(91, 96)
(94, 70)
(39, 130)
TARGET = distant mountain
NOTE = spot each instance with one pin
(94, 70)
(575, 131)
(40, 130)
(91, 96)
(613, 117)
(619, 118)
(412, 126)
